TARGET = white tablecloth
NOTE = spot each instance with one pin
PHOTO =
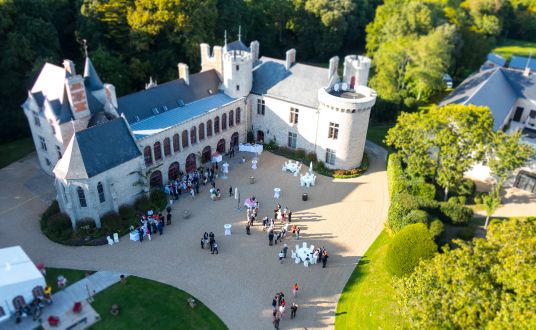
(277, 191)
(227, 228)
(307, 180)
(256, 148)
(134, 236)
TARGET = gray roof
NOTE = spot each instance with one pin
(138, 106)
(298, 85)
(97, 149)
(91, 78)
(237, 45)
(497, 59)
(497, 89)
(520, 62)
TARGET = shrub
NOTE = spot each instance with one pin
(128, 214)
(311, 157)
(455, 213)
(462, 200)
(142, 204)
(436, 228)
(396, 178)
(466, 188)
(408, 247)
(85, 227)
(250, 137)
(59, 227)
(401, 205)
(478, 198)
(111, 222)
(416, 216)
(300, 154)
(159, 199)
(422, 189)
(54, 208)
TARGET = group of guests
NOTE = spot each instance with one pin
(152, 223)
(320, 255)
(279, 306)
(209, 239)
(188, 183)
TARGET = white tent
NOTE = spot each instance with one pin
(18, 277)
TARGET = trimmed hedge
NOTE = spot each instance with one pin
(416, 216)
(59, 227)
(111, 222)
(408, 247)
(456, 213)
(422, 189)
(401, 205)
(396, 178)
(436, 228)
(158, 199)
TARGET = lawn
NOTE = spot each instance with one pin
(72, 276)
(368, 299)
(377, 134)
(510, 47)
(15, 150)
(151, 305)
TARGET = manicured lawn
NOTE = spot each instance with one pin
(15, 150)
(151, 305)
(511, 47)
(368, 299)
(377, 134)
(72, 276)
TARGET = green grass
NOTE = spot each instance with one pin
(151, 305)
(72, 276)
(510, 47)
(368, 299)
(377, 134)
(15, 150)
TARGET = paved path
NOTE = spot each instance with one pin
(345, 216)
(64, 300)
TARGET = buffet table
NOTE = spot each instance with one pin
(256, 148)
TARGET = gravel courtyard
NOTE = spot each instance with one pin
(345, 216)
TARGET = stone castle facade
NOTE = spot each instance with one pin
(104, 151)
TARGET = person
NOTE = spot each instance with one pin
(215, 248)
(281, 257)
(247, 228)
(285, 250)
(192, 192)
(298, 233)
(294, 229)
(282, 310)
(325, 259)
(140, 232)
(293, 310)
(277, 319)
(202, 243)
(274, 305)
(211, 242)
(264, 223)
(295, 289)
(270, 238)
(168, 219)
(160, 227)
(276, 237)
(230, 191)
(289, 216)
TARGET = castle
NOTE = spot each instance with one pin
(100, 147)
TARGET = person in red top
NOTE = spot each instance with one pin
(295, 289)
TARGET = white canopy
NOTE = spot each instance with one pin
(18, 276)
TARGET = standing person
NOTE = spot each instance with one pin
(281, 257)
(289, 216)
(295, 289)
(230, 191)
(298, 233)
(270, 238)
(140, 232)
(277, 319)
(192, 192)
(168, 219)
(159, 227)
(202, 243)
(211, 242)
(294, 229)
(325, 259)
(282, 310)
(274, 305)
(215, 248)
(293, 310)
(247, 228)
(285, 250)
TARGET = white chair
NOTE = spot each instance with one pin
(312, 248)
(297, 260)
(296, 173)
(306, 263)
(304, 245)
(293, 254)
(283, 168)
(116, 237)
(110, 240)
(344, 86)
(277, 191)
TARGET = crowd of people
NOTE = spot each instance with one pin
(279, 306)
(209, 239)
(151, 224)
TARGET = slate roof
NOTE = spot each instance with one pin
(497, 88)
(520, 62)
(497, 59)
(178, 115)
(298, 85)
(97, 149)
(237, 45)
(91, 78)
(138, 106)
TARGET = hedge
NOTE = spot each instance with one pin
(158, 199)
(436, 228)
(416, 216)
(408, 247)
(455, 213)
(396, 179)
(422, 189)
(401, 205)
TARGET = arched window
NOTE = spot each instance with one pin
(209, 128)
(100, 190)
(81, 197)
(224, 122)
(176, 145)
(157, 151)
(193, 135)
(184, 139)
(167, 147)
(221, 146)
(231, 118)
(237, 116)
(147, 156)
(216, 125)
(201, 131)
(155, 181)
(173, 171)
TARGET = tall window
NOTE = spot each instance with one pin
(81, 197)
(43, 143)
(37, 122)
(58, 150)
(237, 87)
(100, 190)
(231, 118)
(201, 131)
(216, 125)
(193, 135)
(209, 128)
(292, 137)
(333, 131)
(260, 107)
(293, 116)
(157, 151)
(176, 146)
(167, 147)
(53, 128)
(238, 116)
(147, 156)
(224, 122)
(238, 68)
(184, 139)
(330, 156)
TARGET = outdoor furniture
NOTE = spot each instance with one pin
(216, 157)
(116, 238)
(110, 240)
(252, 179)
(227, 228)
(77, 307)
(225, 168)
(304, 197)
(277, 191)
(255, 148)
(249, 203)
(186, 214)
(254, 164)
(307, 180)
(62, 281)
(134, 235)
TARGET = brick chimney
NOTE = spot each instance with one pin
(333, 66)
(291, 58)
(254, 48)
(184, 73)
(76, 92)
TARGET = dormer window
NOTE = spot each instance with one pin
(36, 118)
(238, 68)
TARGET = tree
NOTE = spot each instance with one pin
(491, 202)
(486, 283)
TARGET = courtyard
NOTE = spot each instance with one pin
(344, 216)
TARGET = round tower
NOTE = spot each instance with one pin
(237, 73)
(356, 70)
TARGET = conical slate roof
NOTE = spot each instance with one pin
(91, 77)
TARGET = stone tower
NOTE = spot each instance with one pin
(356, 70)
(237, 72)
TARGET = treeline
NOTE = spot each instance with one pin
(130, 40)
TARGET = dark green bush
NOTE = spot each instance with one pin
(408, 247)
(401, 205)
(422, 189)
(111, 222)
(128, 214)
(59, 227)
(85, 228)
(311, 157)
(436, 227)
(456, 213)
(300, 154)
(416, 216)
(54, 208)
(478, 198)
(142, 204)
(466, 188)
(159, 199)
(466, 233)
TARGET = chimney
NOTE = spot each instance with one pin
(218, 59)
(76, 92)
(291, 58)
(183, 73)
(254, 48)
(333, 66)
(205, 55)
(526, 72)
(69, 67)
(109, 91)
